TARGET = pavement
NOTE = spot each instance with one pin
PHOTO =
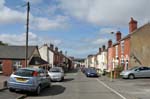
(3, 82)
(130, 89)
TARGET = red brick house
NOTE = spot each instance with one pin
(125, 46)
(13, 57)
(114, 53)
(60, 59)
(119, 54)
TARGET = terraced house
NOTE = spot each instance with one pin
(128, 51)
(131, 50)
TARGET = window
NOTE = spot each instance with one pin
(122, 47)
(16, 64)
(143, 68)
(1, 66)
(24, 72)
(117, 51)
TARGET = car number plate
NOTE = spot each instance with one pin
(21, 79)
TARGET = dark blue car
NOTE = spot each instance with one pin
(90, 72)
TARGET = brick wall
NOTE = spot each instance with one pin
(23, 63)
(7, 67)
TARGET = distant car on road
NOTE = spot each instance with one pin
(136, 72)
(29, 79)
(91, 72)
(56, 74)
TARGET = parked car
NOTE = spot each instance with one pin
(56, 74)
(136, 72)
(84, 70)
(91, 72)
(29, 79)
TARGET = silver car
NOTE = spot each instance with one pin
(29, 79)
(136, 72)
(56, 74)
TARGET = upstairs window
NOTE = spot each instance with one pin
(116, 51)
(122, 47)
(1, 66)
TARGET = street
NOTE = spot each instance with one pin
(77, 86)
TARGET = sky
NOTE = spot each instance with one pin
(78, 27)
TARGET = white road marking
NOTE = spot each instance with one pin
(111, 89)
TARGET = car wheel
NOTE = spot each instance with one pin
(62, 78)
(11, 90)
(131, 76)
(38, 90)
(49, 85)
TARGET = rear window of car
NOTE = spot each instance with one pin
(55, 70)
(24, 72)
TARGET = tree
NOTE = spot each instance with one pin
(2, 43)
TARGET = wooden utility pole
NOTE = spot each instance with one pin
(27, 32)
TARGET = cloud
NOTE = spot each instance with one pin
(100, 41)
(44, 24)
(107, 12)
(34, 1)
(2, 2)
(10, 16)
(107, 31)
(14, 39)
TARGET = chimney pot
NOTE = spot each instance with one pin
(56, 49)
(51, 46)
(100, 50)
(118, 36)
(132, 25)
(45, 44)
(103, 47)
(109, 43)
(61, 52)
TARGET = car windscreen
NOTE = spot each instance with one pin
(24, 72)
(55, 70)
(92, 71)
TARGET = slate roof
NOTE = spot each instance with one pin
(15, 52)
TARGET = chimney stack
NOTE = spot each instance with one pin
(100, 50)
(56, 49)
(118, 36)
(61, 52)
(132, 25)
(45, 44)
(103, 47)
(51, 46)
(109, 43)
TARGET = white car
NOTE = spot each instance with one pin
(56, 74)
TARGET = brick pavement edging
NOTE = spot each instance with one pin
(21, 97)
(3, 89)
